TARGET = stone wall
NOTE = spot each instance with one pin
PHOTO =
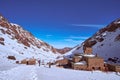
(95, 63)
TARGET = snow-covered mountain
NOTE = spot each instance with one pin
(16, 41)
(105, 42)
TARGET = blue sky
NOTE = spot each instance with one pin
(61, 23)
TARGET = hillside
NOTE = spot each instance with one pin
(105, 42)
(16, 41)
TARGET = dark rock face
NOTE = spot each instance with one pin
(2, 41)
(117, 38)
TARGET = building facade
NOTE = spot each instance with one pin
(88, 61)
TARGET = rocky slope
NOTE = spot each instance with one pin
(105, 42)
(14, 40)
(64, 50)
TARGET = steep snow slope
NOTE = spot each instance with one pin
(16, 41)
(105, 43)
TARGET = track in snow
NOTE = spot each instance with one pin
(31, 72)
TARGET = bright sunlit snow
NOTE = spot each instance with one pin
(31, 72)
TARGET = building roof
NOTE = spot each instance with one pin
(80, 56)
(88, 55)
(61, 58)
(81, 63)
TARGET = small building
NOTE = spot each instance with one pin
(95, 63)
(62, 62)
(87, 61)
(113, 67)
(79, 65)
(88, 50)
(24, 61)
(30, 61)
(77, 58)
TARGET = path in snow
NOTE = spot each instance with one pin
(19, 73)
(31, 72)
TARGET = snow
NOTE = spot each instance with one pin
(31, 72)
(13, 48)
(104, 34)
(80, 56)
(6, 64)
(118, 22)
(110, 47)
(1, 17)
(106, 49)
(74, 51)
(11, 71)
(61, 58)
(13, 24)
(69, 52)
(81, 63)
(89, 55)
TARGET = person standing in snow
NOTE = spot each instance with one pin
(39, 62)
(49, 64)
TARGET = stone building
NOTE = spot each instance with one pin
(82, 65)
(30, 61)
(62, 62)
(88, 50)
(95, 63)
(77, 58)
(88, 61)
(24, 61)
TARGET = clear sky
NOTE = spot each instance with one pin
(61, 23)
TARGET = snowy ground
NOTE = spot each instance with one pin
(31, 72)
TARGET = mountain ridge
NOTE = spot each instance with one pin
(11, 34)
